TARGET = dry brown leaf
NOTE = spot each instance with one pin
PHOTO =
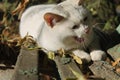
(4, 20)
(6, 32)
(20, 8)
(14, 40)
(28, 42)
(61, 52)
(77, 59)
(116, 62)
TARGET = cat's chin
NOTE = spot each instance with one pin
(80, 40)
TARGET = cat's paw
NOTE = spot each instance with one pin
(83, 55)
(97, 55)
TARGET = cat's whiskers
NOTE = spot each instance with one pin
(98, 24)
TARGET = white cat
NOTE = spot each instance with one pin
(67, 25)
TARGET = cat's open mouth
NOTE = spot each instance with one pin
(79, 39)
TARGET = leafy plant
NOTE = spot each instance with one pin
(103, 11)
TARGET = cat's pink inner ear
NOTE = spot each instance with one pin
(51, 19)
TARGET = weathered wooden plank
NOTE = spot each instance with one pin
(6, 73)
(104, 70)
(27, 65)
(69, 71)
(28, 62)
(114, 52)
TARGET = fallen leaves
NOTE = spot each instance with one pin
(7, 37)
(51, 55)
(28, 42)
(20, 8)
(5, 34)
(63, 53)
(77, 59)
(114, 64)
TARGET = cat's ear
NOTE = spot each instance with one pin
(51, 19)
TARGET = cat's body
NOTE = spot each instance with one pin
(66, 25)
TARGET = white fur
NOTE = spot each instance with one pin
(97, 55)
(61, 35)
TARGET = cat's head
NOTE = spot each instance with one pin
(70, 22)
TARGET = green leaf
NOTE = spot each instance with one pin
(107, 26)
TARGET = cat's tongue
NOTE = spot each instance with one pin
(79, 39)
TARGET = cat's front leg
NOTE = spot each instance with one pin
(95, 51)
(97, 55)
(83, 55)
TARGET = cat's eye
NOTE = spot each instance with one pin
(75, 27)
(85, 18)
